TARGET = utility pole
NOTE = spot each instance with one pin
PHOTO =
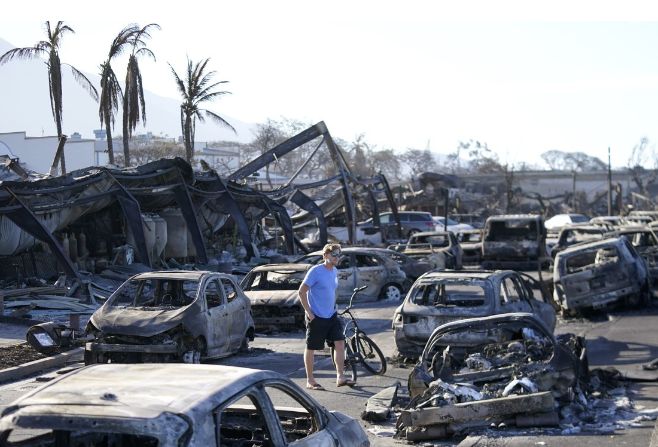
(609, 185)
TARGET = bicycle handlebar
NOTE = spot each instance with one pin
(349, 306)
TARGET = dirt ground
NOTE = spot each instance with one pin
(17, 355)
(22, 353)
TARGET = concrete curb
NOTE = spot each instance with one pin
(18, 372)
(654, 436)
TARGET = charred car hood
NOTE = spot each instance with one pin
(143, 323)
(280, 298)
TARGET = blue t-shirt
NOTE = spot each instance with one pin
(322, 293)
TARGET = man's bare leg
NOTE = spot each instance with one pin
(339, 360)
(308, 364)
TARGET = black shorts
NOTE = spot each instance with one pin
(321, 329)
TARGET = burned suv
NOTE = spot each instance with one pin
(440, 297)
(171, 316)
(599, 273)
(515, 241)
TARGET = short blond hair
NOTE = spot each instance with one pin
(330, 248)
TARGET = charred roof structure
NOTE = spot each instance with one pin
(105, 207)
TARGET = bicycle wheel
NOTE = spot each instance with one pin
(351, 359)
(373, 359)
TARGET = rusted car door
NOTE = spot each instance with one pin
(236, 314)
(369, 271)
(217, 326)
(346, 277)
(515, 298)
(512, 296)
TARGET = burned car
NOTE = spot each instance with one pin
(515, 241)
(576, 234)
(272, 290)
(645, 242)
(596, 274)
(364, 266)
(516, 368)
(171, 316)
(440, 297)
(440, 249)
(471, 244)
(174, 405)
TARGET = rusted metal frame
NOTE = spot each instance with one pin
(33, 188)
(133, 213)
(306, 203)
(189, 213)
(391, 202)
(225, 199)
(25, 219)
(279, 212)
(279, 151)
(308, 160)
(344, 171)
(319, 183)
(376, 222)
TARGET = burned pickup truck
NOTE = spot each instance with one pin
(440, 249)
(596, 274)
(171, 316)
(515, 241)
(515, 374)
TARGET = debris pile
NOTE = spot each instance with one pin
(530, 380)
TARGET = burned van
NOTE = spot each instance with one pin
(596, 274)
(516, 241)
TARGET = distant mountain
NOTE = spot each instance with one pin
(25, 106)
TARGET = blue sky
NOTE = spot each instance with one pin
(405, 80)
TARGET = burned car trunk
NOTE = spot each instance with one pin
(171, 316)
(513, 242)
(600, 273)
(518, 368)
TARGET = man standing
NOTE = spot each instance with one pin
(318, 296)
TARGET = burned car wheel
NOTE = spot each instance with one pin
(391, 292)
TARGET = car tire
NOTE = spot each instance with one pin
(245, 343)
(391, 292)
(412, 231)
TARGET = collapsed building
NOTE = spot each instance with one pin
(164, 213)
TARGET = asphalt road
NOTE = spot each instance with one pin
(624, 340)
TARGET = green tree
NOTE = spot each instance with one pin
(195, 90)
(110, 87)
(50, 49)
(133, 94)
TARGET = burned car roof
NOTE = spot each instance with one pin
(143, 385)
(172, 405)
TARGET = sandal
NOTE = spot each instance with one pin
(346, 382)
(314, 386)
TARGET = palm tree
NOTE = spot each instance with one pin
(195, 91)
(133, 94)
(50, 49)
(110, 88)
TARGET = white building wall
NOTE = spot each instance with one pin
(37, 153)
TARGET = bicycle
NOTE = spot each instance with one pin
(359, 349)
